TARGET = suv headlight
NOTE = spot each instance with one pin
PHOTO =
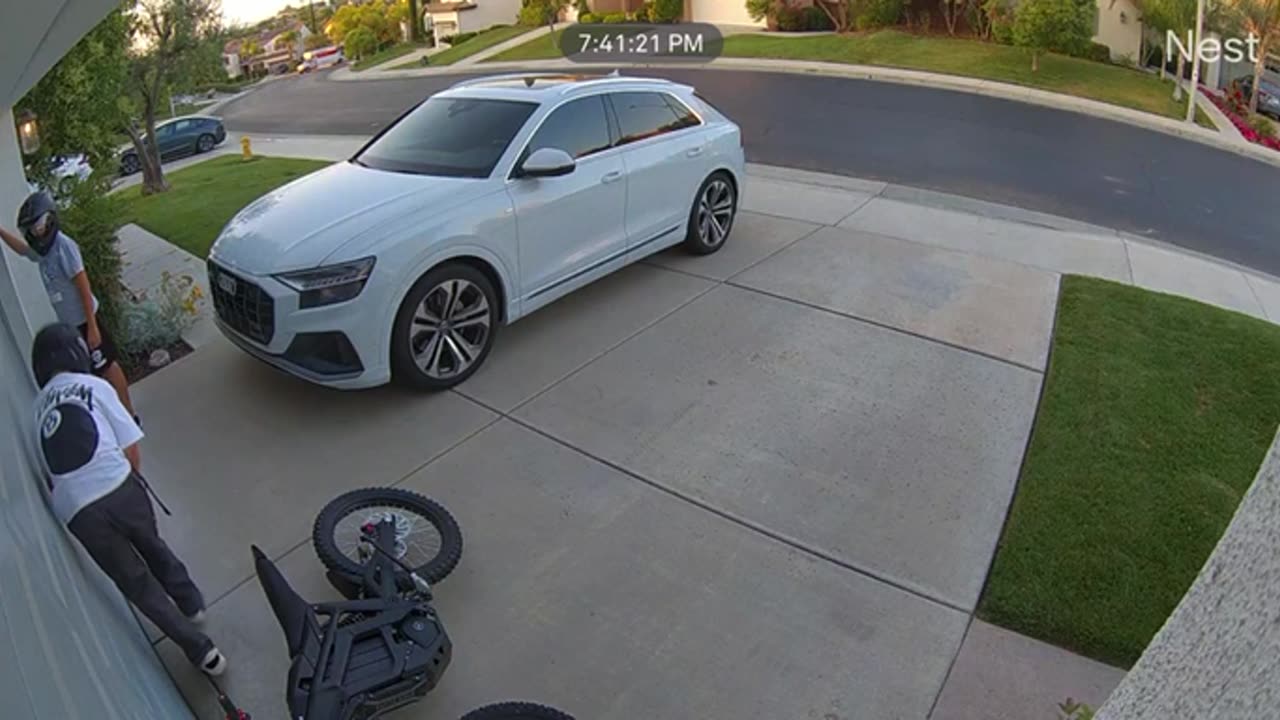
(330, 284)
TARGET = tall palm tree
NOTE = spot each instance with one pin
(1260, 19)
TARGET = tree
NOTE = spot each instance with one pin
(1178, 17)
(289, 39)
(78, 100)
(838, 11)
(1259, 19)
(318, 40)
(952, 11)
(360, 42)
(166, 35)
(1064, 26)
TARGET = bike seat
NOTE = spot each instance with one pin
(357, 659)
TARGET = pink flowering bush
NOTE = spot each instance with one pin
(1233, 105)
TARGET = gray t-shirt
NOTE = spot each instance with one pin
(62, 263)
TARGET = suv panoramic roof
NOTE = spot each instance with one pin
(549, 83)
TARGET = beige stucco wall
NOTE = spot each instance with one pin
(1120, 28)
(488, 13)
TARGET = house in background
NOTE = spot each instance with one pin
(1118, 25)
(273, 52)
(450, 18)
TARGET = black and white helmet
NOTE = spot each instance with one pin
(38, 221)
(58, 348)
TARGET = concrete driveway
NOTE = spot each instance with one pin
(764, 484)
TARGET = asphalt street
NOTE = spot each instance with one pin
(1089, 169)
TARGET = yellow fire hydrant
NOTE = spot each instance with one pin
(245, 149)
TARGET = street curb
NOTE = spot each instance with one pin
(990, 88)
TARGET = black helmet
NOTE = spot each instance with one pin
(38, 221)
(58, 348)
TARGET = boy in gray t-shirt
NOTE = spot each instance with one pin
(67, 283)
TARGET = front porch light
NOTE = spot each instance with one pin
(28, 132)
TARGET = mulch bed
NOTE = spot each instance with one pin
(136, 367)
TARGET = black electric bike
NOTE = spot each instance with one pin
(384, 647)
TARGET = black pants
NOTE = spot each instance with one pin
(119, 532)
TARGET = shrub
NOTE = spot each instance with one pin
(1262, 126)
(644, 13)
(583, 8)
(666, 11)
(540, 12)
(158, 322)
(615, 18)
(360, 42)
(91, 217)
(589, 18)
(877, 14)
(788, 19)
(759, 9)
(1064, 26)
(816, 20)
(1095, 51)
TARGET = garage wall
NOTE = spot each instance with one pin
(720, 12)
(69, 645)
(488, 13)
(1120, 29)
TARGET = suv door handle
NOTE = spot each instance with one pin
(609, 177)
(694, 152)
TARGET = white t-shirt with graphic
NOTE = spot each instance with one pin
(82, 430)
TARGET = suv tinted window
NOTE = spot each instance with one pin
(645, 114)
(451, 137)
(579, 128)
(684, 115)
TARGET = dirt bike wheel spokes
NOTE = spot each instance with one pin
(427, 538)
(417, 540)
(516, 711)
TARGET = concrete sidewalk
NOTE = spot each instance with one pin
(721, 486)
(1224, 138)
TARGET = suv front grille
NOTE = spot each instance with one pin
(248, 310)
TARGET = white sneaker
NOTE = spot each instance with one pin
(215, 663)
(198, 618)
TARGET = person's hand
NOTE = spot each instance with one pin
(94, 337)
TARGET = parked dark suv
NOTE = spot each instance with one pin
(178, 137)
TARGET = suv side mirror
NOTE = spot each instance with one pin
(547, 162)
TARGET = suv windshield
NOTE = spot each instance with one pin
(452, 137)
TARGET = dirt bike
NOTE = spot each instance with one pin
(384, 647)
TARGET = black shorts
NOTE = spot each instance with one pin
(105, 355)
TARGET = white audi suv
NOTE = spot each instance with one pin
(477, 207)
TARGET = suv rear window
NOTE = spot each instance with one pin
(449, 137)
(646, 114)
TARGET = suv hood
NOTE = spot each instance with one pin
(299, 225)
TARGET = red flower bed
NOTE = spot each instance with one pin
(1232, 103)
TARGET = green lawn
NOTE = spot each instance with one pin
(385, 54)
(540, 48)
(1156, 414)
(1058, 73)
(485, 40)
(203, 197)
(1070, 76)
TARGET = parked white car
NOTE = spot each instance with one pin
(477, 207)
(64, 172)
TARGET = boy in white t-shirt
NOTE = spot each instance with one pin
(88, 445)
